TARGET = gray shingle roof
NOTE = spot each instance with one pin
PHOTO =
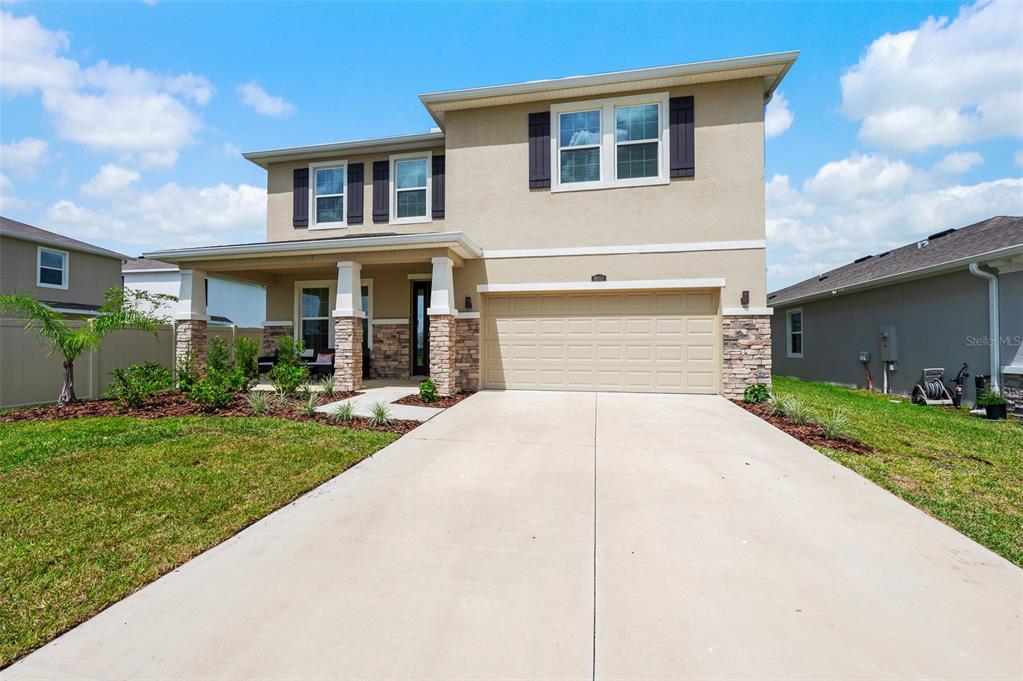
(20, 230)
(990, 235)
(147, 264)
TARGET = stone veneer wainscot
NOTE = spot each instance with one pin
(746, 353)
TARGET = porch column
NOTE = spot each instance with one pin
(348, 316)
(443, 335)
(191, 319)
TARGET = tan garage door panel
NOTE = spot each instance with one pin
(657, 341)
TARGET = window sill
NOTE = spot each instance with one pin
(39, 284)
(328, 225)
(620, 184)
(411, 221)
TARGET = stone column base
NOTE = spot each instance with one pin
(348, 353)
(190, 343)
(746, 353)
(391, 351)
(442, 353)
(1012, 390)
(272, 335)
(467, 354)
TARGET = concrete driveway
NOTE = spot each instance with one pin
(570, 535)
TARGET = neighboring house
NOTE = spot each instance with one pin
(599, 232)
(69, 275)
(230, 303)
(940, 301)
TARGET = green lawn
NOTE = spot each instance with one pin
(93, 509)
(963, 470)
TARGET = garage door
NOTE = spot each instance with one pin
(636, 341)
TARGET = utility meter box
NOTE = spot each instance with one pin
(864, 355)
(889, 345)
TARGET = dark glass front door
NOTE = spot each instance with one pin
(420, 328)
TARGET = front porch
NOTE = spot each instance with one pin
(384, 314)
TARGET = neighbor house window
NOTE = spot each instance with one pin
(795, 333)
(410, 194)
(328, 195)
(315, 321)
(51, 268)
(616, 142)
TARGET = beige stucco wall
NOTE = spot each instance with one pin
(89, 275)
(279, 202)
(488, 198)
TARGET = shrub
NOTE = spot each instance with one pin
(329, 384)
(834, 423)
(990, 398)
(343, 413)
(798, 412)
(780, 405)
(428, 391)
(259, 403)
(131, 387)
(380, 415)
(214, 390)
(186, 373)
(309, 406)
(756, 393)
(217, 356)
(246, 356)
(290, 370)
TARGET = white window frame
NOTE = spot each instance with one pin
(63, 285)
(609, 142)
(331, 286)
(789, 333)
(320, 165)
(412, 156)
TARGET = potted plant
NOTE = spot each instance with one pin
(993, 403)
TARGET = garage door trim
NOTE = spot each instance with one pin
(645, 284)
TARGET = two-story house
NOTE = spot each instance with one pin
(600, 232)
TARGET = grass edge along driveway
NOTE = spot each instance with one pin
(965, 471)
(93, 509)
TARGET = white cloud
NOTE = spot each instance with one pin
(24, 157)
(778, 118)
(255, 97)
(942, 84)
(230, 150)
(171, 216)
(109, 182)
(9, 201)
(958, 162)
(1018, 157)
(105, 107)
(868, 204)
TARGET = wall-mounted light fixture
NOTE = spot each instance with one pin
(745, 298)
(468, 303)
(598, 277)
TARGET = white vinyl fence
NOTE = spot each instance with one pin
(30, 375)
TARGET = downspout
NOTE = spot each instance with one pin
(994, 341)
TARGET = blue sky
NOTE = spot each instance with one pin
(122, 123)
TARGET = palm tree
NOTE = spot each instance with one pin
(121, 310)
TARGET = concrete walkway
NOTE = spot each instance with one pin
(386, 394)
(573, 536)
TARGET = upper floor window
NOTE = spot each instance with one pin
(51, 268)
(610, 143)
(795, 333)
(410, 187)
(328, 195)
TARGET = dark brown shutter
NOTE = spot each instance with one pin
(680, 136)
(381, 191)
(437, 199)
(300, 194)
(354, 193)
(540, 149)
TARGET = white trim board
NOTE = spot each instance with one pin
(390, 321)
(628, 249)
(718, 282)
(742, 311)
(278, 323)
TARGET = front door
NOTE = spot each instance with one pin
(366, 356)
(420, 328)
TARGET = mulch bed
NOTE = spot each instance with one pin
(176, 404)
(439, 403)
(810, 434)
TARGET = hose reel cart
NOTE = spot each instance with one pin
(930, 388)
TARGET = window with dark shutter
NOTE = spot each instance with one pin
(540, 149)
(381, 191)
(300, 200)
(437, 199)
(355, 193)
(681, 136)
